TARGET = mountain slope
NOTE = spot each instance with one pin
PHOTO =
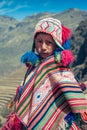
(16, 37)
(79, 48)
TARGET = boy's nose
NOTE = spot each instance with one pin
(44, 46)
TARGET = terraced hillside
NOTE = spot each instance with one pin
(8, 86)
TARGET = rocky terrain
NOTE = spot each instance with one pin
(16, 38)
(79, 48)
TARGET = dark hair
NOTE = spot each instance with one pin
(33, 47)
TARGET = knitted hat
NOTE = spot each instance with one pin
(59, 32)
(61, 36)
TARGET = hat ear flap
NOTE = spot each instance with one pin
(66, 34)
(67, 44)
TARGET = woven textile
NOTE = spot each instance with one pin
(51, 96)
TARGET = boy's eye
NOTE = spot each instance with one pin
(48, 42)
(39, 41)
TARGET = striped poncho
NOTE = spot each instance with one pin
(52, 99)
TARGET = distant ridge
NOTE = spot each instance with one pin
(16, 36)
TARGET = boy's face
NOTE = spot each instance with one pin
(44, 45)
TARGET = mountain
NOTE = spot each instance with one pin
(16, 36)
(70, 18)
(79, 48)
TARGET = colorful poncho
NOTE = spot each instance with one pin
(51, 99)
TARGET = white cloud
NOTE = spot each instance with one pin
(10, 10)
(2, 3)
(6, 3)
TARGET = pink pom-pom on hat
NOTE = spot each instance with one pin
(67, 57)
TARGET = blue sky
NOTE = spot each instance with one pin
(19, 9)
